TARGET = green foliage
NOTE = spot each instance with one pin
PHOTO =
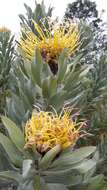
(11, 150)
(6, 61)
(35, 85)
(86, 10)
(95, 109)
(14, 132)
(95, 183)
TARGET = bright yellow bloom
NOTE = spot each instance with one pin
(4, 29)
(45, 130)
(50, 42)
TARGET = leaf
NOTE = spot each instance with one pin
(29, 11)
(15, 134)
(56, 186)
(53, 86)
(57, 101)
(28, 185)
(25, 100)
(96, 183)
(49, 87)
(86, 70)
(4, 161)
(71, 158)
(46, 71)
(66, 177)
(86, 166)
(13, 153)
(62, 65)
(45, 88)
(37, 183)
(71, 80)
(36, 67)
(49, 156)
(11, 175)
(26, 167)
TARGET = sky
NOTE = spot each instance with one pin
(10, 9)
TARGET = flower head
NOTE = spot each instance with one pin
(45, 130)
(4, 30)
(51, 42)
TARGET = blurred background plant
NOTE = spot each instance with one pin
(6, 61)
(86, 10)
(7, 50)
(96, 98)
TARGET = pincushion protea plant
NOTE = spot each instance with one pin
(51, 42)
(4, 30)
(40, 166)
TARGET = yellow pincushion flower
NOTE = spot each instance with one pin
(51, 42)
(45, 130)
(4, 30)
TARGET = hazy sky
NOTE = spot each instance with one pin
(10, 9)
